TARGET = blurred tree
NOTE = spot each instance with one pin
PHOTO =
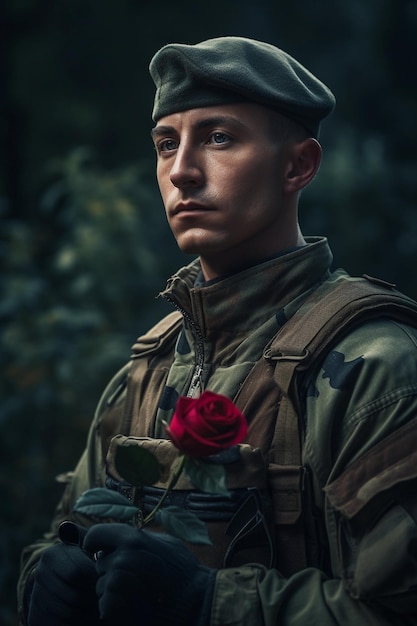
(78, 286)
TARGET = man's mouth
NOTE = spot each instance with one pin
(190, 207)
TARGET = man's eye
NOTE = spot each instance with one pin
(166, 145)
(219, 138)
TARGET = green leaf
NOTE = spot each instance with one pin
(208, 477)
(137, 465)
(183, 525)
(101, 502)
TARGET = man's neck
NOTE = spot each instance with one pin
(215, 268)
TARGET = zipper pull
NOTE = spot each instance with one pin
(195, 388)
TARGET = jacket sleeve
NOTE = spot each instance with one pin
(87, 474)
(374, 516)
(361, 444)
(77, 482)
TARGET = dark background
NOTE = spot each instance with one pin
(84, 247)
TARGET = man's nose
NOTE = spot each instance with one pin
(186, 169)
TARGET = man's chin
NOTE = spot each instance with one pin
(198, 244)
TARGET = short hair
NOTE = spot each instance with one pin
(284, 129)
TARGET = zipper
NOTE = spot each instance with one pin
(196, 384)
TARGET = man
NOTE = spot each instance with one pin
(236, 131)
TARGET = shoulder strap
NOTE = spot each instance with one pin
(159, 334)
(325, 316)
(159, 338)
(115, 409)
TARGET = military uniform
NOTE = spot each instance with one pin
(358, 442)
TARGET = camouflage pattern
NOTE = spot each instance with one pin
(225, 329)
(360, 405)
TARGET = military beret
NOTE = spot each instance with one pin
(237, 69)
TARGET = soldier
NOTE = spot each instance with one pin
(236, 136)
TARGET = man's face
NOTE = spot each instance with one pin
(220, 172)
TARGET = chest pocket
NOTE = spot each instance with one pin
(238, 525)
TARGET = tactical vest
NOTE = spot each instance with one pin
(269, 517)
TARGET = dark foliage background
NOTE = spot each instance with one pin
(84, 247)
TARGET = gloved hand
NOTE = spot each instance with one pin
(63, 592)
(149, 578)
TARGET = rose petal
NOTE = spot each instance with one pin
(206, 425)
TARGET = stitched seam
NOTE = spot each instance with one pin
(373, 407)
(407, 331)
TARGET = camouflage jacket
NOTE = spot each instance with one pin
(360, 413)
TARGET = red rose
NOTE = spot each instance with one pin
(206, 425)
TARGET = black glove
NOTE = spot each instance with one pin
(63, 592)
(149, 578)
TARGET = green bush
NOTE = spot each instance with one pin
(78, 286)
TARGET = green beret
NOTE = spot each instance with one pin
(236, 69)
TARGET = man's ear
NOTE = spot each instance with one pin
(303, 163)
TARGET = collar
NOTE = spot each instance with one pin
(243, 301)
